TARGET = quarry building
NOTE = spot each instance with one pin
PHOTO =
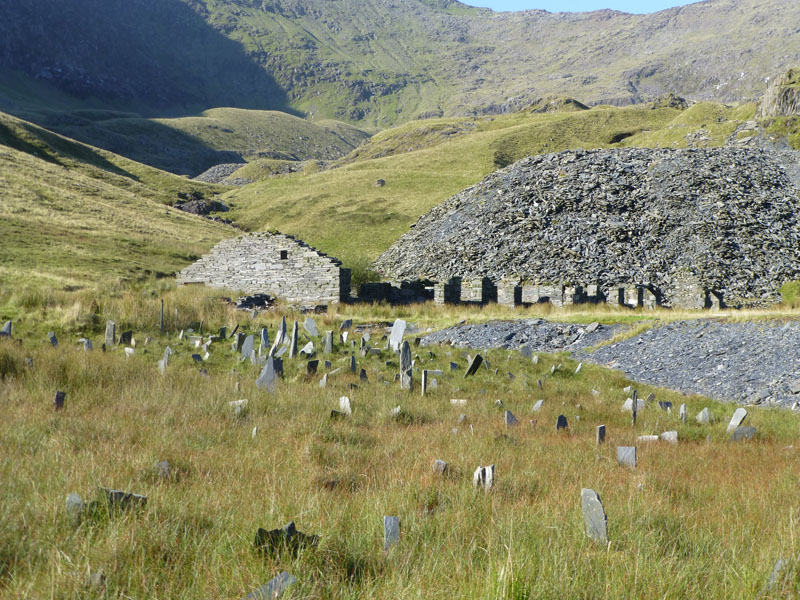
(272, 263)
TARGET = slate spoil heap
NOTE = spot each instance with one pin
(727, 217)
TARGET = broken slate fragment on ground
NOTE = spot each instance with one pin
(286, 539)
(274, 588)
(743, 433)
(123, 500)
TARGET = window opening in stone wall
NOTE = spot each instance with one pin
(284, 254)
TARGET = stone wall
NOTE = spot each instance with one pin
(271, 263)
(685, 292)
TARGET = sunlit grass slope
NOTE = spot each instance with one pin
(75, 216)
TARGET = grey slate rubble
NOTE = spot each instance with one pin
(744, 362)
(526, 335)
(723, 219)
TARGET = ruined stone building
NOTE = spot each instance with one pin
(685, 228)
(271, 263)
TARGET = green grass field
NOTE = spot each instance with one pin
(706, 518)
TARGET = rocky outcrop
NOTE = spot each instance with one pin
(722, 220)
(782, 98)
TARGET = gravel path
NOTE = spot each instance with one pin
(747, 362)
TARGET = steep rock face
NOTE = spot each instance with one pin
(727, 216)
(782, 98)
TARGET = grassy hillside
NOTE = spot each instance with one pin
(342, 212)
(73, 216)
(190, 145)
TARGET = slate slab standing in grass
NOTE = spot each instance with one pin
(263, 340)
(510, 419)
(739, 415)
(626, 456)
(328, 349)
(287, 539)
(311, 327)
(474, 365)
(6, 330)
(600, 434)
(396, 337)
(267, 380)
(111, 333)
(248, 345)
(391, 531)
(595, 520)
(75, 507)
(483, 478)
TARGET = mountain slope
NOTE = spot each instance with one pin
(73, 216)
(190, 145)
(381, 62)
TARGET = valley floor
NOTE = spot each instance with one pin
(706, 517)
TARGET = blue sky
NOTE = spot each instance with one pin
(631, 6)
